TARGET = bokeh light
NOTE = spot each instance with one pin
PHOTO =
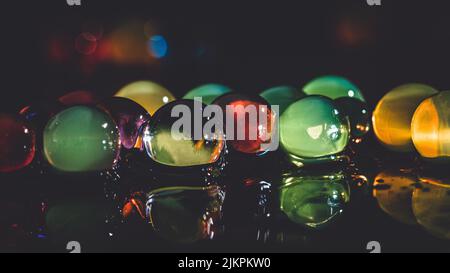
(85, 43)
(158, 46)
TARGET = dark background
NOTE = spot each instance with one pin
(249, 46)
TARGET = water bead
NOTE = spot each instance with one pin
(81, 138)
(313, 128)
(17, 143)
(208, 92)
(333, 87)
(129, 117)
(39, 113)
(358, 115)
(314, 200)
(185, 214)
(148, 94)
(250, 138)
(79, 97)
(430, 127)
(177, 147)
(392, 116)
(282, 96)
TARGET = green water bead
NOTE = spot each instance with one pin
(81, 139)
(313, 128)
(333, 87)
(208, 92)
(314, 201)
(282, 96)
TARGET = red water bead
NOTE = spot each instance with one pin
(80, 97)
(262, 130)
(17, 143)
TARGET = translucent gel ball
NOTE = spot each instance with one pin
(148, 94)
(208, 92)
(129, 117)
(282, 96)
(79, 97)
(392, 116)
(393, 191)
(333, 87)
(358, 115)
(39, 113)
(181, 147)
(81, 138)
(313, 127)
(314, 201)
(430, 127)
(185, 215)
(247, 137)
(431, 206)
(17, 143)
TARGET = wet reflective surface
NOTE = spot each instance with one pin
(254, 206)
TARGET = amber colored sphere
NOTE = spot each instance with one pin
(393, 114)
(430, 127)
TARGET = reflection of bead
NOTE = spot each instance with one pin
(148, 94)
(185, 214)
(17, 143)
(180, 147)
(393, 113)
(431, 206)
(282, 96)
(313, 128)
(208, 92)
(314, 201)
(393, 191)
(82, 218)
(81, 138)
(430, 127)
(333, 87)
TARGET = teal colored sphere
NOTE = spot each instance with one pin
(208, 92)
(80, 139)
(333, 87)
(313, 127)
(282, 96)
